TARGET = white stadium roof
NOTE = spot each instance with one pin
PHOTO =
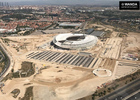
(62, 41)
(62, 37)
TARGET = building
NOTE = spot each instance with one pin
(74, 41)
(7, 30)
(89, 31)
(98, 33)
(68, 24)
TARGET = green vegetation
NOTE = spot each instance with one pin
(28, 84)
(28, 68)
(28, 94)
(1, 66)
(122, 35)
(16, 75)
(15, 93)
(17, 16)
(47, 27)
(26, 11)
(6, 40)
(107, 34)
(122, 21)
(121, 15)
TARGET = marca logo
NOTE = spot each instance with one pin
(129, 5)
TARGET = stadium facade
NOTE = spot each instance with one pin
(74, 41)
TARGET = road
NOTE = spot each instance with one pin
(135, 97)
(2, 57)
(6, 66)
(123, 92)
(83, 25)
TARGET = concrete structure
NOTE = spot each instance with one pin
(66, 24)
(74, 41)
(98, 33)
(7, 30)
(84, 54)
(2, 30)
(89, 31)
(102, 72)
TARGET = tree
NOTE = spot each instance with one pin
(109, 89)
(93, 97)
(104, 92)
(12, 70)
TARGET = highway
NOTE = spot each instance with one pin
(135, 97)
(2, 57)
(6, 66)
(124, 91)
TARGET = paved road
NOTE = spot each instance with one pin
(6, 66)
(124, 91)
(2, 57)
(135, 97)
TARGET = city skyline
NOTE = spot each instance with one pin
(59, 2)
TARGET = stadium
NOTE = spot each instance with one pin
(74, 41)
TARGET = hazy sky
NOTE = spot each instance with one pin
(92, 2)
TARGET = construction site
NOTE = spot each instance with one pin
(60, 74)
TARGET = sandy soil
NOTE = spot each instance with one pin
(66, 83)
(28, 42)
(112, 48)
(133, 41)
(17, 65)
(123, 70)
(131, 46)
(10, 85)
(69, 92)
(64, 74)
(31, 42)
(71, 87)
(57, 31)
(41, 92)
(102, 72)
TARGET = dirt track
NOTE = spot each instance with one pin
(87, 77)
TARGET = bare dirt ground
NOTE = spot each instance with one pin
(131, 46)
(112, 48)
(133, 42)
(136, 36)
(70, 87)
(125, 68)
(65, 82)
(108, 64)
(71, 92)
(63, 74)
(101, 27)
(10, 85)
(24, 44)
(57, 31)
